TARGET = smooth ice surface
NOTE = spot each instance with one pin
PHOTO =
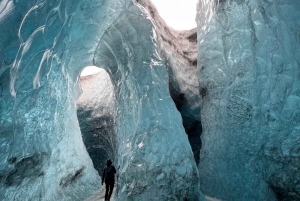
(248, 63)
(44, 47)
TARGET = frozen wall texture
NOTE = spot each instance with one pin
(248, 62)
(43, 47)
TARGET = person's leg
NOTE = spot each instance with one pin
(107, 186)
(111, 188)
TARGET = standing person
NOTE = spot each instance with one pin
(109, 177)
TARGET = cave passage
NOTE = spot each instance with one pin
(95, 112)
(42, 55)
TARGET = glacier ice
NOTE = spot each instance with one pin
(44, 47)
(248, 81)
(248, 68)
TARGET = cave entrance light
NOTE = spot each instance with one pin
(178, 14)
(90, 70)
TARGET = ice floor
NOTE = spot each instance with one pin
(100, 195)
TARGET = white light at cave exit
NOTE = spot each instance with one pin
(90, 70)
(178, 14)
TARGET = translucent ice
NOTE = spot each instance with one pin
(44, 46)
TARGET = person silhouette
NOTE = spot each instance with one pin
(108, 177)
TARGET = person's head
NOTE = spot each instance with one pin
(108, 162)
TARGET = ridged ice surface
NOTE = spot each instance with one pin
(248, 64)
(43, 47)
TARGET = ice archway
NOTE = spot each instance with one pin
(42, 150)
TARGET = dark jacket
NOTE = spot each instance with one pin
(108, 173)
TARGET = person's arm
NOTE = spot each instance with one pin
(115, 171)
(103, 175)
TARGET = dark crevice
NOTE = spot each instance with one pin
(71, 177)
(192, 37)
(283, 194)
(203, 91)
(193, 127)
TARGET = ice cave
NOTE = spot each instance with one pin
(206, 114)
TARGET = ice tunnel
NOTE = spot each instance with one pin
(96, 112)
(235, 80)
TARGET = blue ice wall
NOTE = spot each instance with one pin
(248, 67)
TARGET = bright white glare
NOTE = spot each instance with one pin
(90, 70)
(178, 14)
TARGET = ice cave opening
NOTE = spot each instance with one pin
(96, 110)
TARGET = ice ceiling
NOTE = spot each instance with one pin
(243, 82)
